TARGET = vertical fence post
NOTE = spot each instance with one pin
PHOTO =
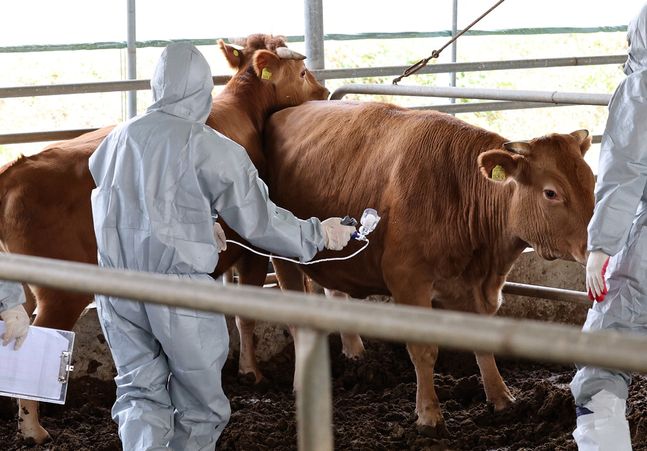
(314, 392)
(452, 75)
(314, 34)
(131, 97)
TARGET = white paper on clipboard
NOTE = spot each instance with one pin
(39, 369)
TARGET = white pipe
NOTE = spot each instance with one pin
(314, 34)
(132, 58)
(522, 338)
(314, 391)
(573, 98)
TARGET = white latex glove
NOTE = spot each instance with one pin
(219, 234)
(336, 235)
(16, 323)
(596, 266)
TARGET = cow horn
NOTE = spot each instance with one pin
(237, 47)
(520, 147)
(580, 135)
(286, 54)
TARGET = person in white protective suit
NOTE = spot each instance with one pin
(160, 179)
(617, 235)
(16, 320)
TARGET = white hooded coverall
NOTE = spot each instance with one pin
(11, 295)
(160, 179)
(618, 224)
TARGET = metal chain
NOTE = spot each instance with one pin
(423, 62)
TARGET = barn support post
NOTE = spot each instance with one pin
(131, 96)
(314, 34)
(314, 392)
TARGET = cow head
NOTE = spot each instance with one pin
(551, 191)
(282, 70)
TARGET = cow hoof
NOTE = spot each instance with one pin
(249, 379)
(352, 347)
(502, 403)
(353, 355)
(439, 431)
(36, 436)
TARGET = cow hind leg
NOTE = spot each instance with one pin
(252, 270)
(247, 366)
(56, 310)
(496, 391)
(352, 345)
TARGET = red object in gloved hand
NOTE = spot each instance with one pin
(604, 292)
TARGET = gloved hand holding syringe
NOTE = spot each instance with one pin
(368, 222)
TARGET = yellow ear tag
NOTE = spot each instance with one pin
(266, 74)
(498, 173)
(236, 52)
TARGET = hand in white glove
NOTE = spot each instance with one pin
(596, 266)
(16, 323)
(219, 234)
(336, 235)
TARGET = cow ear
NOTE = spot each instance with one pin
(498, 165)
(583, 139)
(233, 54)
(265, 64)
(520, 147)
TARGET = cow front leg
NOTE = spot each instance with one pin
(409, 287)
(430, 416)
(252, 270)
(496, 391)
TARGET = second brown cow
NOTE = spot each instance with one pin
(458, 205)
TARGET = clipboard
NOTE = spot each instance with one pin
(40, 369)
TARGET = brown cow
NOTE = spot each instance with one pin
(458, 206)
(45, 198)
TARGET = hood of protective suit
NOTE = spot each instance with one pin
(637, 39)
(182, 83)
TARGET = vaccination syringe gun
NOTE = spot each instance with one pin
(368, 222)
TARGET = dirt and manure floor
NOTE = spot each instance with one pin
(373, 407)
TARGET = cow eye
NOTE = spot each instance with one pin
(303, 73)
(550, 194)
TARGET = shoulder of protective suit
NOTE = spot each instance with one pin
(632, 89)
(214, 140)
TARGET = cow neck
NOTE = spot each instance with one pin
(244, 105)
(253, 96)
(491, 223)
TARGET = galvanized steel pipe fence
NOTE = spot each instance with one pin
(503, 336)
(520, 99)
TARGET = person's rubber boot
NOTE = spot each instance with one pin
(601, 424)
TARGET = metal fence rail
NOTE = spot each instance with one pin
(520, 101)
(555, 97)
(536, 63)
(522, 338)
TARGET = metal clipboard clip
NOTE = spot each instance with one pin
(65, 368)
